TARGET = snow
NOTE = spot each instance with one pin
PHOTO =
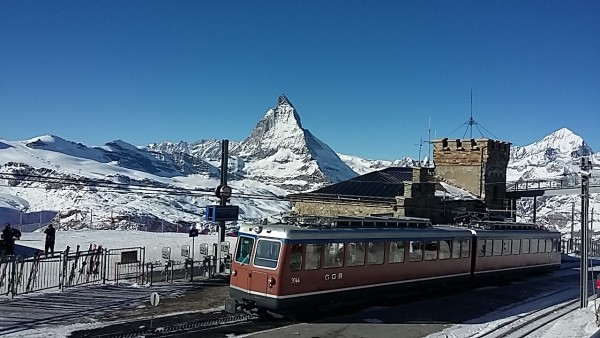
(113, 239)
(578, 324)
(581, 323)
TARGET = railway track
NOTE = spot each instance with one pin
(205, 322)
(560, 303)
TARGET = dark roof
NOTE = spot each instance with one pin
(386, 183)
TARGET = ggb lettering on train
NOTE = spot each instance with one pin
(334, 276)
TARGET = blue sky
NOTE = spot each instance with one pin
(365, 76)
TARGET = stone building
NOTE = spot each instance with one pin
(394, 192)
(476, 165)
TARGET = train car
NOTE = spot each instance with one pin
(505, 249)
(286, 268)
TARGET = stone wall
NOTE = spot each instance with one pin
(344, 207)
(476, 165)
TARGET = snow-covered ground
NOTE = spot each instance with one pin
(154, 242)
(578, 324)
(581, 323)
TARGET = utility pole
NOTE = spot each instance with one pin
(223, 197)
(585, 190)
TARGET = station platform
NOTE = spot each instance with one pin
(46, 314)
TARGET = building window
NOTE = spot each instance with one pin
(445, 144)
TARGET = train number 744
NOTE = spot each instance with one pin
(295, 280)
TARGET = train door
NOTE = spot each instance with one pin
(243, 255)
(266, 257)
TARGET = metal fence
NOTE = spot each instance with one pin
(574, 246)
(97, 265)
(20, 275)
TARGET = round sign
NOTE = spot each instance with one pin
(154, 299)
(225, 191)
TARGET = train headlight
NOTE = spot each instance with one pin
(234, 272)
(257, 229)
(271, 282)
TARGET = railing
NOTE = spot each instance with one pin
(97, 265)
(567, 182)
(574, 246)
(60, 270)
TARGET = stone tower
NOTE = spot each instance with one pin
(476, 165)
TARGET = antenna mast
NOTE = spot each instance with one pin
(471, 121)
(429, 160)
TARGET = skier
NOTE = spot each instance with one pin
(9, 239)
(50, 237)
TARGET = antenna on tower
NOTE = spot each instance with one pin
(471, 122)
(429, 143)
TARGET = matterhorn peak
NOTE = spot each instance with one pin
(279, 127)
(283, 101)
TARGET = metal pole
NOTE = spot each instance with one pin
(223, 202)
(572, 241)
(583, 298)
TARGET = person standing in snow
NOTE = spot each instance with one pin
(50, 237)
(9, 239)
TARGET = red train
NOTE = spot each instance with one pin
(286, 268)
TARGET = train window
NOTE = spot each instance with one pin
(355, 254)
(516, 246)
(465, 248)
(313, 257)
(497, 247)
(549, 247)
(542, 246)
(506, 247)
(556, 247)
(445, 249)
(334, 255)
(296, 257)
(376, 252)
(534, 245)
(267, 253)
(431, 250)
(456, 249)
(415, 251)
(244, 250)
(397, 252)
(481, 248)
(488, 247)
(525, 245)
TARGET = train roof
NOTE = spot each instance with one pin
(293, 232)
(347, 228)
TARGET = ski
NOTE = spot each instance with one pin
(73, 267)
(33, 272)
(84, 264)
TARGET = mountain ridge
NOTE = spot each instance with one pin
(279, 156)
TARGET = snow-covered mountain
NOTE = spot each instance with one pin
(555, 157)
(279, 152)
(120, 183)
(75, 181)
